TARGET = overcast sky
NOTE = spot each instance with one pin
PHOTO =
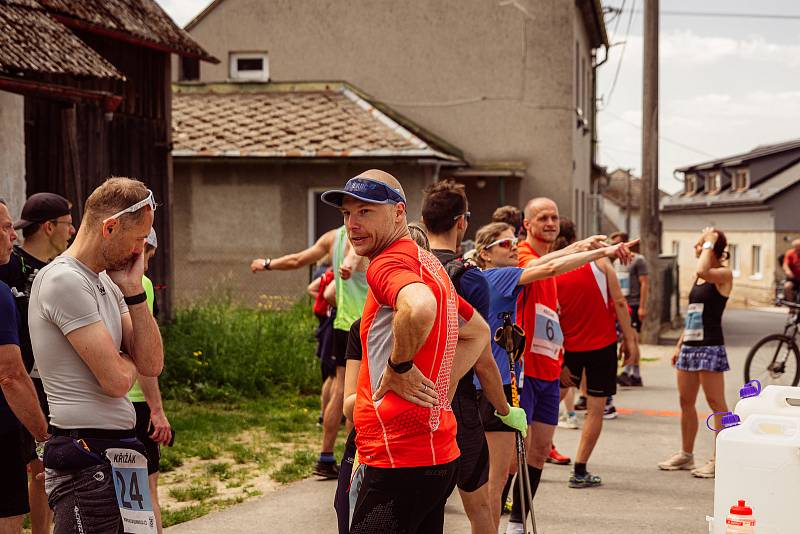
(728, 84)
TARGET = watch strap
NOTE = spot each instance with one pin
(402, 367)
(136, 299)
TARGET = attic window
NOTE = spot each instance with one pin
(713, 183)
(690, 184)
(741, 180)
(249, 66)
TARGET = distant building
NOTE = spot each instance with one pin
(84, 95)
(510, 84)
(251, 162)
(754, 198)
(621, 193)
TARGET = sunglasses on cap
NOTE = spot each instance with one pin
(506, 242)
(466, 215)
(149, 201)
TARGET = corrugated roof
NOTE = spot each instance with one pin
(739, 159)
(288, 120)
(143, 19)
(32, 42)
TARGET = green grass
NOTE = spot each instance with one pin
(173, 517)
(220, 351)
(194, 492)
(299, 468)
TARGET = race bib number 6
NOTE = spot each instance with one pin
(129, 471)
(547, 335)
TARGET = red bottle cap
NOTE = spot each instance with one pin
(741, 509)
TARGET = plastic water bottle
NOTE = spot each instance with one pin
(740, 520)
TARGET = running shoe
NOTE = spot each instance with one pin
(515, 528)
(580, 406)
(624, 379)
(609, 412)
(327, 470)
(557, 458)
(707, 471)
(586, 481)
(568, 421)
(636, 381)
(677, 462)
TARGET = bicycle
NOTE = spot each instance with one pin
(775, 359)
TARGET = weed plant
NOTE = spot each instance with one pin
(218, 350)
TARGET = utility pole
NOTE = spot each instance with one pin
(628, 202)
(649, 214)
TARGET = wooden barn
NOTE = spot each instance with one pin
(94, 76)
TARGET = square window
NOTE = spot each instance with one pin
(249, 66)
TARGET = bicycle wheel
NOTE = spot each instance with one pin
(774, 360)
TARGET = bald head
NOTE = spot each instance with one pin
(541, 222)
(536, 205)
(384, 178)
(796, 244)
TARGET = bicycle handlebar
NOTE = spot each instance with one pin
(789, 304)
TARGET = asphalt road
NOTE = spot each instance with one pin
(635, 496)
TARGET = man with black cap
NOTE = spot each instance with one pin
(46, 225)
(18, 402)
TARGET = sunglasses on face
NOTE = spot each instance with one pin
(149, 201)
(506, 242)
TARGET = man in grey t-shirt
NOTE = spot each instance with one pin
(92, 336)
(633, 281)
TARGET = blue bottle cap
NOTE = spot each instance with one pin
(751, 389)
(730, 420)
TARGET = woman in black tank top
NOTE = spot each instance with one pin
(700, 357)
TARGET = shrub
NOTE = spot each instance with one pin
(219, 350)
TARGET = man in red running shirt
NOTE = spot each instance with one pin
(791, 268)
(537, 314)
(418, 338)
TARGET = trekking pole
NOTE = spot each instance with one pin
(522, 457)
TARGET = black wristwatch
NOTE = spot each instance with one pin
(266, 264)
(402, 367)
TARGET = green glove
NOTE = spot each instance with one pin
(516, 419)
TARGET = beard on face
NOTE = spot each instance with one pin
(116, 261)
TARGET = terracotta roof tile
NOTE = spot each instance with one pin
(331, 122)
(141, 18)
(33, 42)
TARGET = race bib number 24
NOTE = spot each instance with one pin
(129, 471)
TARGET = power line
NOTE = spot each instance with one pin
(621, 54)
(661, 137)
(771, 16)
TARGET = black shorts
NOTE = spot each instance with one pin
(340, 346)
(14, 458)
(492, 423)
(600, 366)
(408, 500)
(28, 441)
(152, 450)
(473, 468)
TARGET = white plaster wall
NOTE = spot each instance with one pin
(12, 151)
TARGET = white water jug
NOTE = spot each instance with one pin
(759, 461)
(772, 400)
